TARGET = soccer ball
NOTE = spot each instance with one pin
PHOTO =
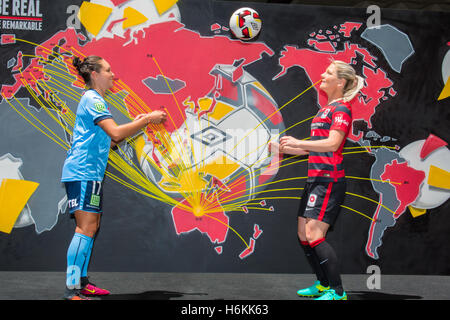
(222, 144)
(245, 23)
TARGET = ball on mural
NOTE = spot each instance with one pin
(245, 23)
(433, 158)
(223, 141)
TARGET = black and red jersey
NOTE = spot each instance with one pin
(327, 166)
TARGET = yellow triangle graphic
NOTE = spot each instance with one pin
(415, 212)
(221, 167)
(133, 17)
(220, 110)
(139, 144)
(446, 91)
(93, 16)
(164, 5)
(439, 178)
(14, 195)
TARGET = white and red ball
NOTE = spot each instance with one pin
(245, 23)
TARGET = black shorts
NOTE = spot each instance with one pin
(322, 201)
(84, 195)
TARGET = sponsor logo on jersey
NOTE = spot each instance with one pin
(95, 200)
(340, 120)
(99, 107)
(73, 203)
(312, 200)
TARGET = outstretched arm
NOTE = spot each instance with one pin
(120, 132)
(275, 147)
(330, 144)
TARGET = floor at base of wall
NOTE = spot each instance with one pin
(221, 286)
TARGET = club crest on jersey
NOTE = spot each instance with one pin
(99, 107)
(312, 200)
(325, 113)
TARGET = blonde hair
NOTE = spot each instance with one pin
(354, 83)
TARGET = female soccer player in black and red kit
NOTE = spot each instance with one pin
(324, 191)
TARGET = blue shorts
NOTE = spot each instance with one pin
(84, 195)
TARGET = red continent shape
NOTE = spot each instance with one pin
(406, 181)
(348, 27)
(248, 251)
(325, 46)
(213, 224)
(215, 27)
(7, 38)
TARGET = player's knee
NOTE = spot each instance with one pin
(312, 235)
(301, 229)
(301, 235)
(88, 229)
(309, 237)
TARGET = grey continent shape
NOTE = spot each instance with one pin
(159, 84)
(393, 43)
(385, 219)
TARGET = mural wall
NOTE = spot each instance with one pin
(203, 192)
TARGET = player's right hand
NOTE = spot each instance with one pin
(157, 116)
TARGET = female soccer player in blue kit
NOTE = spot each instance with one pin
(95, 132)
(325, 187)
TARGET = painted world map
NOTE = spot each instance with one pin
(191, 85)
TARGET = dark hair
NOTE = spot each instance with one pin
(85, 67)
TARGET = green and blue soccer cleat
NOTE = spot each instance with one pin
(316, 290)
(330, 294)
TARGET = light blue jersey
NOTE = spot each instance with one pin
(88, 156)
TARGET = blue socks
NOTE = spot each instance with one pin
(88, 257)
(78, 256)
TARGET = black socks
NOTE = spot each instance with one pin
(314, 263)
(329, 263)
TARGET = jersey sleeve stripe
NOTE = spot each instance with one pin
(103, 117)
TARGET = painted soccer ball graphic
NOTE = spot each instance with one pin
(433, 158)
(222, 146)
(245, 23)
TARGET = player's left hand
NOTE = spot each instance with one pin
(274, 147)
(288, 141)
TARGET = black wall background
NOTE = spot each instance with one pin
(127, 242)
